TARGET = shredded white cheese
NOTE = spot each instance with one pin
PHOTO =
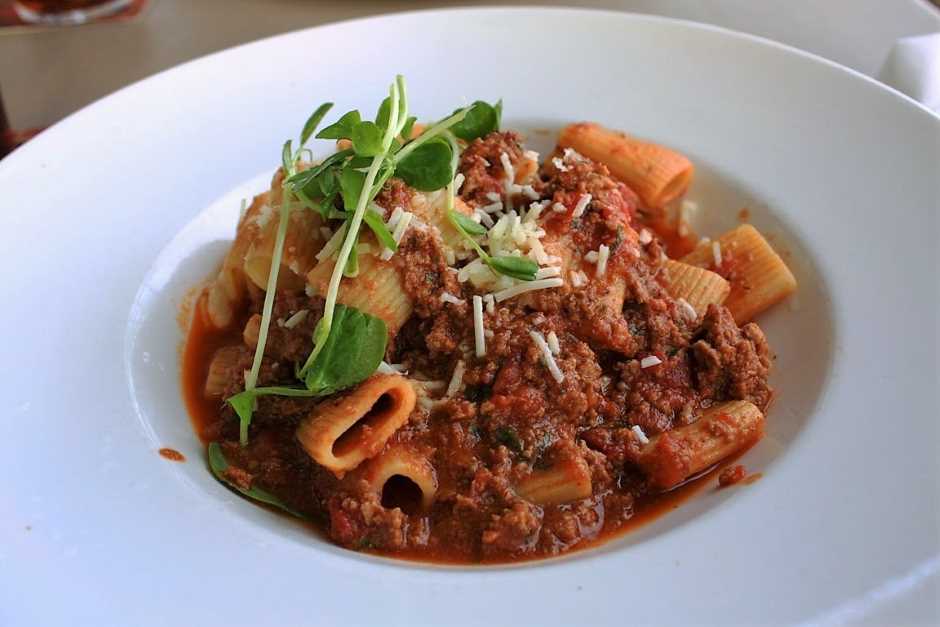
(579, 208)
(494, 197)
(603, 254)
(490, 304)
(333, 244)
(559, 208)
(400, 227)
(450, 258)
(531, 155)
(547, 359)
(559, 164)
(386, 368)
(447, 297)
(716, 253)
(591, 256)
(528, 286)
(393, 219)
(431, 385)
(484, 218)
(548, 272)
(687, 309)
(638, 432)
(456, 379)
(650, 361)
(553, 343)
(478, 337)
(510, 171)
(495, 207)
(458, 182)
(529, 192)
(296, 319)
(645, 236)
(578, 278)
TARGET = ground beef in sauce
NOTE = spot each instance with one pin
(510, 417)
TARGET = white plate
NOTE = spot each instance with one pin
(96, 528)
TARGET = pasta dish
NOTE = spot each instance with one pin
(435, 343)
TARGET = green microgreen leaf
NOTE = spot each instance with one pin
(351, 183)
(381, 118)
(498, 107)
(302, 179)
(521, 268)
(314, 121)
(367, 139)
(481, 119)
(287, 158)
(218, 465)
(467, 224)
(409, 126)
(428, 167)
(351, 353)
(382, 234)
(342, 128)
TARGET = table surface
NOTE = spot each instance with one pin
(47, 74)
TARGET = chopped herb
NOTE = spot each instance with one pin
(521, 268)
(367, 139)
(507, 437)
(351, 353)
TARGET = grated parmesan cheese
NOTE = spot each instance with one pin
(579, 208)
(591, 256)
(578, 278)
(547, 359)
(645, 236)
(456, 379)
(638, 432)
(553, 343)
(509, 170)
(559, 165)
(431, 385)
(687, 309)
(603, 254)
(484, 218)
(478, 336)
(559, 208)
(386, 368)
(716, 253)
(458, 182)
(333, 244)
(400, 227)
(548, 272)
(296, 319)
(490, 304)
(529, 192)
(447, 297)
(528, 286)
(495, 207)
(493, 197)
(650, 361)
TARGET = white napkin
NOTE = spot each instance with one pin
(913, 67)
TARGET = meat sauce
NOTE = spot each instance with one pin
(510, 419)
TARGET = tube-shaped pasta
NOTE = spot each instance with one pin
(397, 473)
(228, 289)
(301, 244)
(220, 368)
(432, 210)
(567, 480)
(346, 430)
(697, 286)
(759, 277)
(377, 291)
(658, 174)
(672, 457)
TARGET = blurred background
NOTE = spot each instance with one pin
(47, 71)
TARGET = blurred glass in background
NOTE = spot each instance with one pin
(65, 12)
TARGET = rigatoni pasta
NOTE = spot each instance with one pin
(470, 355)
(659, 175)
(758, 276)
(343, 432)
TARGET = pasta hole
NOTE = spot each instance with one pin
(401, 491)
(363, 428)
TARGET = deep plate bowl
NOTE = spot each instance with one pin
(113, 214)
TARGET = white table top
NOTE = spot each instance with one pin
(45, 75)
